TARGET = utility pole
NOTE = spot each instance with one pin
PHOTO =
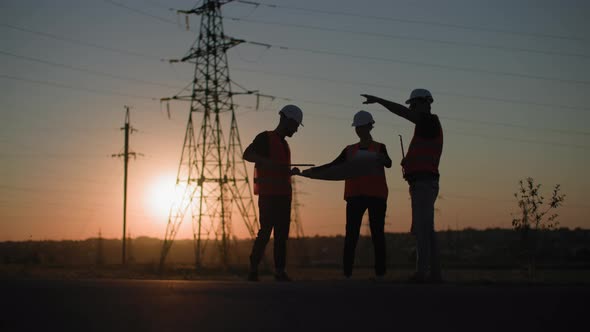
(130, 251)
(99, 250)
(211, 175)
(125, 155)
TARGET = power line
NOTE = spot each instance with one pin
(316, 102)
(87, 71)
(413, 21)
(48, 155)
(482, 198)
(584, 147)
(62, 191)
(71, 131)
(382, 59)
(307, 101)
(493, 138)
(31, 148)
(97, 206)
(477, 198)
(140, 12)
(76, 180)
(405, 89)
(65, 86)
(485, 123)
(131, 53)
(159, 5)
(391, 36)
(527, 141)
(35, 205)
(69, 216)
(471, 197)
(512, 139)
(423, 64)
(509, 125)
(44, 217)
(81, 42)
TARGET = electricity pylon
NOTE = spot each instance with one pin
(212, 175)
(295, 215)
(301, 246)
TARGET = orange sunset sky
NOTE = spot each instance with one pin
(509, 82)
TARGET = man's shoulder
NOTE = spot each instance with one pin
(428, 120)
(436, 122)
(380, 146)
(429, 126)
(264, 133)
(378, 143)
(261, 139)
(262, 136)
(427, 117)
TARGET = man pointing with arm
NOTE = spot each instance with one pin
(421, 171)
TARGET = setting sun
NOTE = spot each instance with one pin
(162, 194)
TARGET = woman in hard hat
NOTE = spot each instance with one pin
(362, 193)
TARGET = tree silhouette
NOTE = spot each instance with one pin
(533, 217)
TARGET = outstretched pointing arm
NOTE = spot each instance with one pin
(394, 108)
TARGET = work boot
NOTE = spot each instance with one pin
(253, 275)
(379, 278)
(282, 276)
(435, 278)
(417, 279)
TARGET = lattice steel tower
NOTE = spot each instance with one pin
(212, 175)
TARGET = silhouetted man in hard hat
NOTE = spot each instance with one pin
(272, 183)
(421, 171)
(362, 193)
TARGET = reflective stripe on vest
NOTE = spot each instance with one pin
(269, 181)
(368, 185)
(423, 154)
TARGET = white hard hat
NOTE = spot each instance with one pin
(293, 112)
(362, 118)
(420, 93)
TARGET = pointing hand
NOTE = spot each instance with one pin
(370, 99)
(295, 171)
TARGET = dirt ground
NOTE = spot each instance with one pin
(305, 305)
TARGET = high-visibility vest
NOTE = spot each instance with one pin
(374, 185)
(423, 154)
(272, 182)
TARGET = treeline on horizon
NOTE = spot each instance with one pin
(491, 248)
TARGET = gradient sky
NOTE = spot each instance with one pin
(508, 79)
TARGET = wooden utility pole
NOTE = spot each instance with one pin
(126, 154)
